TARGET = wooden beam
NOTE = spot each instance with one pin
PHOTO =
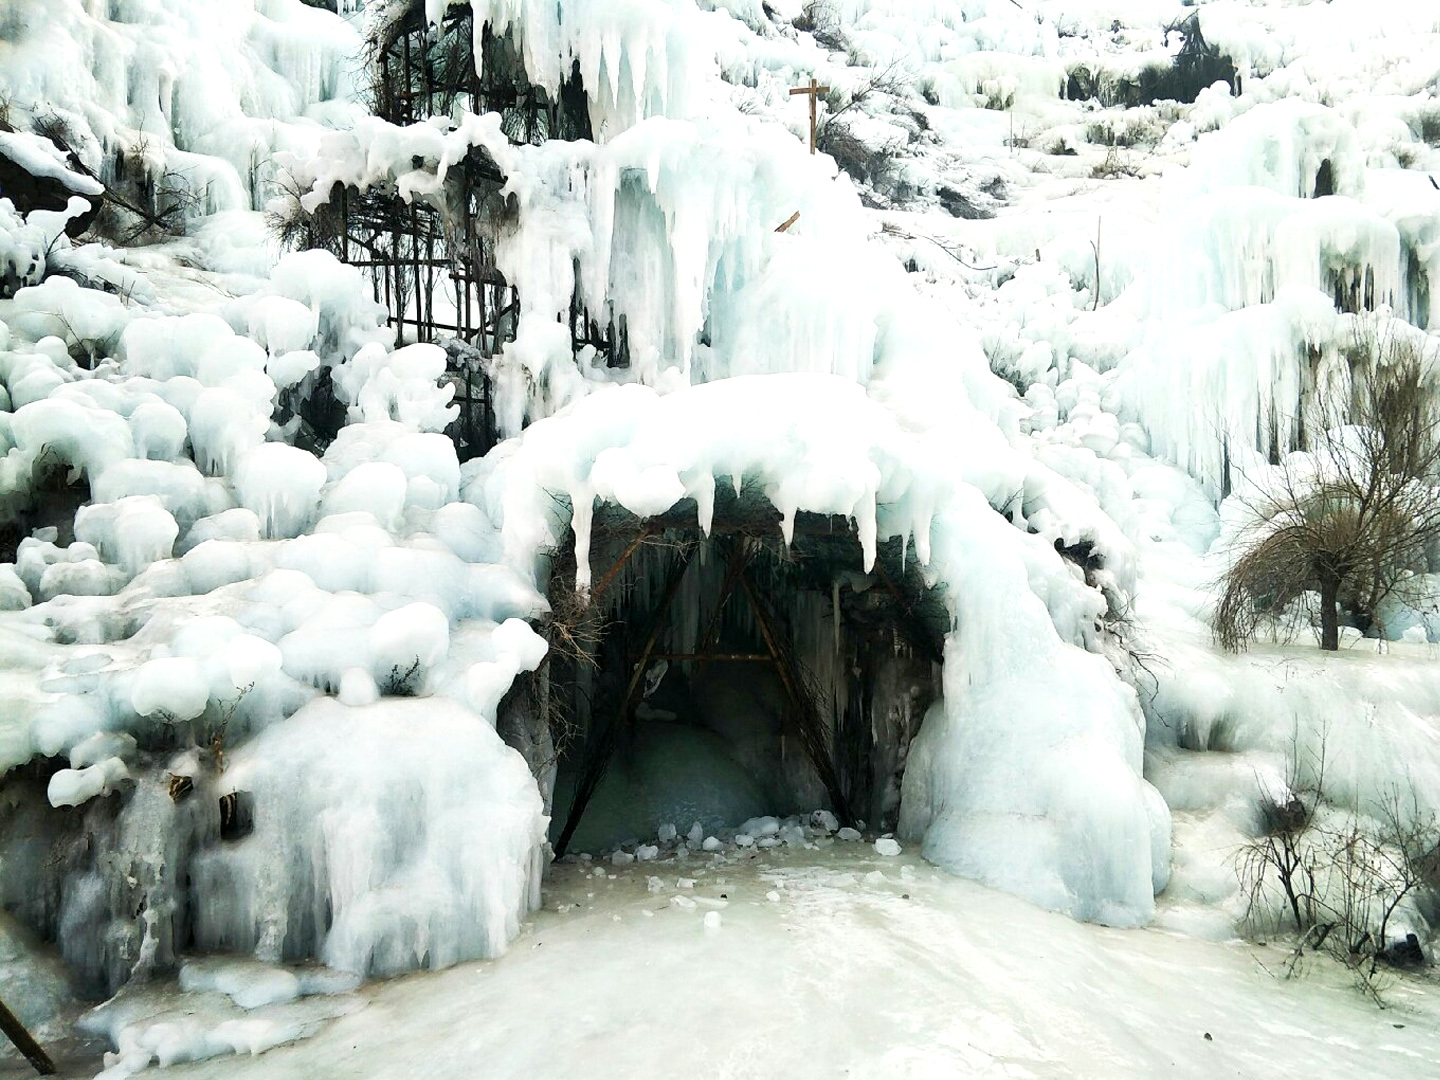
(608, 578)
(603, 748)
(800, 702)
(25, 1042)
(732, 573)
(784, 226)
(719, 658)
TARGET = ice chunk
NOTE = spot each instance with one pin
(405, 644)
(712, 920)
(847, 833)
(420, 829)
(71, 787)
(761, 826)
(357, 687)
(887, 846)
(281, 484)
(170, 686)
(102, 745)
(248, 984)
(666, 833)
(132, 532)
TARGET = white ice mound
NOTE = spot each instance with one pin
(399, 835)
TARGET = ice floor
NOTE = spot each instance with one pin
(841, 962)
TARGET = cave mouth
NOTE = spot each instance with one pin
(717, 678)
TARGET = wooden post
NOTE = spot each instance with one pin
(814, 90)
(25, 1042)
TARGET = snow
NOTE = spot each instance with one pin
(916, 975)
(329, 631)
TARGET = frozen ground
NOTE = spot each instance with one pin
(860, 966)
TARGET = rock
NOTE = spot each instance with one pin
(1405, 954)
(825, 821)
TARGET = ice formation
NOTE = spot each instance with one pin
(267, 673)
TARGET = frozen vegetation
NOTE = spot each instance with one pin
(278, 646)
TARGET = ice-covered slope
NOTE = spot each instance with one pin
(202, 603)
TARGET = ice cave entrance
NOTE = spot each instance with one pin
(723, 677)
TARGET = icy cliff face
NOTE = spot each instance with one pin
(262, 679)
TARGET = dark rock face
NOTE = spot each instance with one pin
(30, 192)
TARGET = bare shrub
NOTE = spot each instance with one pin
(1342, 880)
(1354, 521)
(821, 20)
(403, 682)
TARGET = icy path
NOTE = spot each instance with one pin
(916, 975)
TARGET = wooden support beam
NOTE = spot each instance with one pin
(608, 578)
(732, 575)
(603, 748)
(784, 226)
(806, 716)
(719, 658)
(25, 1042)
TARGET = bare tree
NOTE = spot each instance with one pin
(1356, 518)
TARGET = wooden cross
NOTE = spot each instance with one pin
(814, 90)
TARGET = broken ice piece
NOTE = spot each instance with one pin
(875, 877)
(712, 844)
(772, 896)
(712, 920)
(682, 902)
(667, 833)
(888, 846)
(848, 833)
(824, 820)
(685, 883)
(696, 834)
(655, 885)
(646, 852)
(621, 858)
(744, 840)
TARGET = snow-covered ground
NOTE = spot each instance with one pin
(842, 962)
(1025, 319)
